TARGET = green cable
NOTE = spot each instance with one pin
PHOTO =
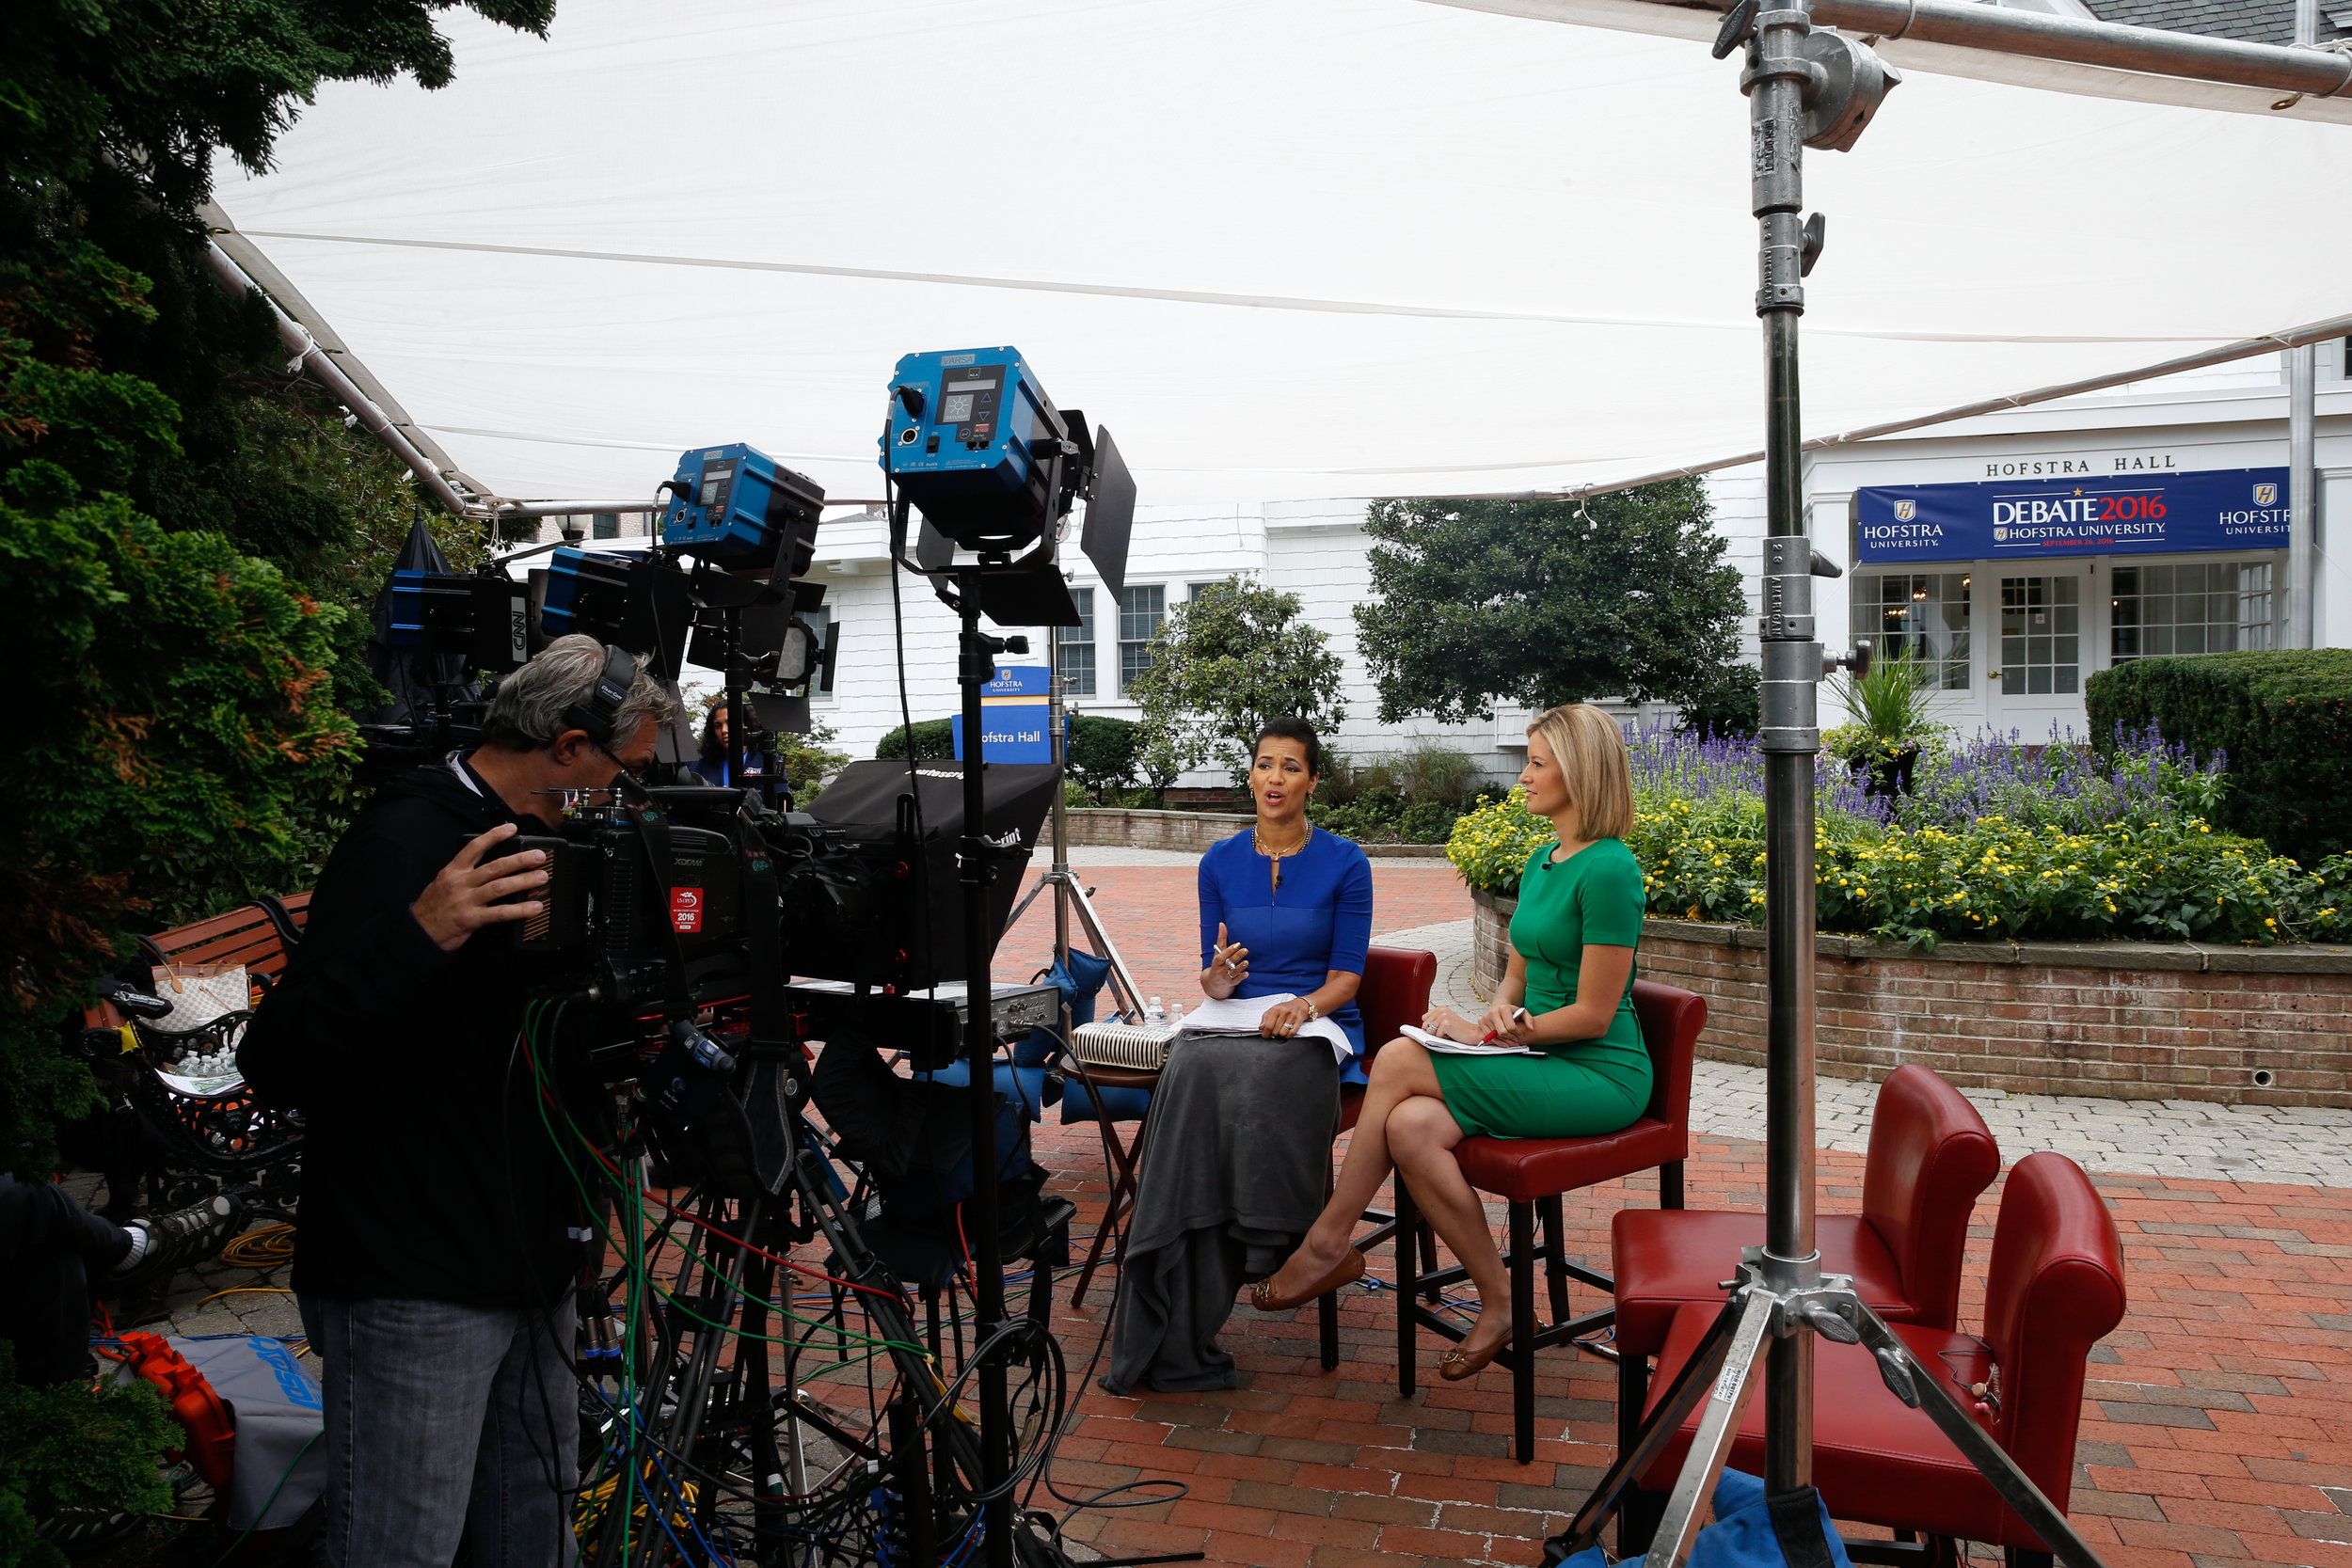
(268, 1502)
(641, 1280)
(573, 1171)
(639, 1276)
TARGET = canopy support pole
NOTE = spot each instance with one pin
(316, 364)
(2313, 332)
(2302, 72)
(2302, 456)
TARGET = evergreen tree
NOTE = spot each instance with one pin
(1542, 602)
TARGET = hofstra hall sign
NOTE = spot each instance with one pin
(2219, 509)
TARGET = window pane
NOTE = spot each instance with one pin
(604, 524)
(1142, 613)
(1074, 648)
(2190, 608)
(1922, 616)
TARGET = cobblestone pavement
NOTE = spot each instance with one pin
(2214, 1429)
(2127, 1137)
(1148, 905)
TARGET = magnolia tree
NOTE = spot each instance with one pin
(1235, 657)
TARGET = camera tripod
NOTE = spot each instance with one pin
(1805, 88)
(706, 1436)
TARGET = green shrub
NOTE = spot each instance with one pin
(808, 760)
(2284, 720)
(68, 1444)
(1890, 704)
(2169, 880)
(1349, 822)
(1426, 822)
(934, 741)
(177, 729)
(1490, 846)
(1103, 752)
(1427, 772)
(1345, 777)
(1729, 704)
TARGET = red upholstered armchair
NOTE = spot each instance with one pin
(1929, 1157)
(2056, 1289)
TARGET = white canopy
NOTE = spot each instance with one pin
(1284, 249)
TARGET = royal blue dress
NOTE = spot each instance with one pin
(1319, 919)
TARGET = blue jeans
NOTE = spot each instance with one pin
(444, 1420)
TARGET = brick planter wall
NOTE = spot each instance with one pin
(1193, 831)
(2119, 1020)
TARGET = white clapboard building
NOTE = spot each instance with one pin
(2014, 616)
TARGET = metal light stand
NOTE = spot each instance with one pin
(976, 666)
(1819, 90)
(1069, 895)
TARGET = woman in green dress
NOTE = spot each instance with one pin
(1569, 994)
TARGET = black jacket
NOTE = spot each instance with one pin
(427, 1171)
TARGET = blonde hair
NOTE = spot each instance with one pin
(1590, 749)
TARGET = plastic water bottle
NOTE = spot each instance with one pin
(1154, 1012)
(1176, 1012)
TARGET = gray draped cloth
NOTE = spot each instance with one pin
(1236, 1161)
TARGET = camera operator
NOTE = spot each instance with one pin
(441, 1231)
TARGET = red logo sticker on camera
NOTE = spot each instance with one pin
(685, 911)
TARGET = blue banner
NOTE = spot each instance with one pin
(1011, 732)
(2219, 509)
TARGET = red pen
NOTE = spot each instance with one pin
(1519, 1015)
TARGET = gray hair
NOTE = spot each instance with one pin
(527, 714)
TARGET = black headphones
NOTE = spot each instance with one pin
(600, 707)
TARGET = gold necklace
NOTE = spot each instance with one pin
(1257, 838)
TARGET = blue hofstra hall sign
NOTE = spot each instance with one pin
(1013, 715)
(2219, 509)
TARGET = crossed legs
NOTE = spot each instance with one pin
(1405, 1126)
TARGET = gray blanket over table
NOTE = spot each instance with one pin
(1236, 1158)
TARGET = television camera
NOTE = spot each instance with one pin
(723, 589)
(677, 916)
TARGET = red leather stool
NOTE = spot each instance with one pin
(2056, 1289)
(1532, 1174)
(1929, 1157)
(1395, 992)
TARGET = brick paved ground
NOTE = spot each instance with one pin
(2219, 1427)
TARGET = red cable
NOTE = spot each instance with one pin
(772, 1257)
(546, 1094)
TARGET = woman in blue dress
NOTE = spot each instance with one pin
(1237, 1152)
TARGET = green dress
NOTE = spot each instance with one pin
(1579, 1089)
